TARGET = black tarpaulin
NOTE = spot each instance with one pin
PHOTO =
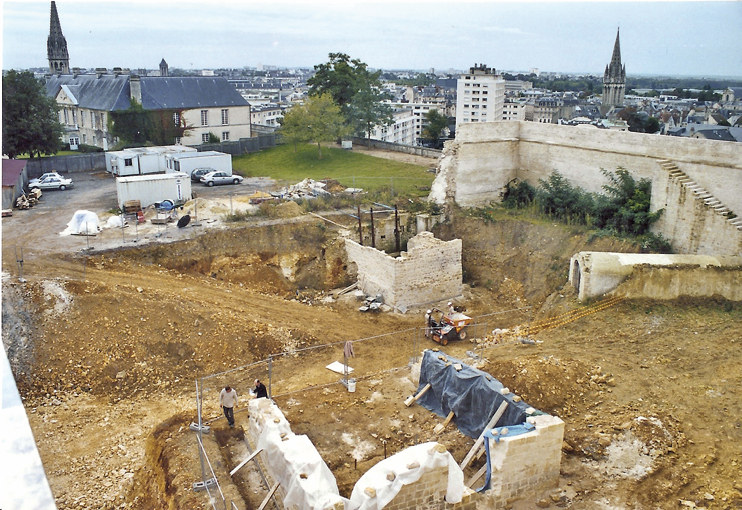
(466, 392)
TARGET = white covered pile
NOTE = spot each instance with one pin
(83, 222)
(293, 460)
(407, 466)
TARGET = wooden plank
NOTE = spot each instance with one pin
(412, 400)
(269, 496)
(442, 426)
(479, 441)
(479, 455)
(476, 476)
(248, 459)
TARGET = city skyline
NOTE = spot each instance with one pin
(657, 38)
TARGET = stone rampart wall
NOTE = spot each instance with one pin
(484, 157)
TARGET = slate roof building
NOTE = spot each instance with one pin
(197, 106)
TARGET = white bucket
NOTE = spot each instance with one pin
(351, 385)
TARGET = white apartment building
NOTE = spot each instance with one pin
(266, 115)
(402, 131)
(480, 96)
(514, 110)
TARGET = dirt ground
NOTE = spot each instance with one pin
(107, 346)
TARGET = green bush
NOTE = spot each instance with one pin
(559, 199)
(518, 194)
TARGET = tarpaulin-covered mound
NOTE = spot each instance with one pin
(83, 222)
(471, 394)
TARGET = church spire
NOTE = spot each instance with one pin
(616, 58)
(56, 45)
(614, 78)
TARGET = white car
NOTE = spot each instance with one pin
(52, 182)
(213, 178)
(33, 182)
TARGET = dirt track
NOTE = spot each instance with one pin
(107, 358)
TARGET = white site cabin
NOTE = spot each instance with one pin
(187, 162)
(142, 160)
(149, 189)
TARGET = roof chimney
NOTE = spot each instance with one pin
(117, 71)
(135, 86)
(100, 71)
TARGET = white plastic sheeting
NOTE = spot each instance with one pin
(83, 222)
(428, 459)
(293, 460)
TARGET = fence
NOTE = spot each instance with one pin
(241, 146)
(66, 164)
(397, 147)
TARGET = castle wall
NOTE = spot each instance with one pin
(486, 156)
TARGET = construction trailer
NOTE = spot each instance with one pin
(142, 160)
(150, 189)
(187, 162)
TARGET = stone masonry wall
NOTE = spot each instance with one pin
(486, 156)
(526, 464)
(430, 271)
(429, 492)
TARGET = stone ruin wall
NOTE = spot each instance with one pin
(430, 271)
(484, 157)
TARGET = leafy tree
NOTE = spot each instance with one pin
(367, 109)
(340, 77)
(558, 198)
(294, 125)
(324, 121)
(625, 205)
(30, 118)
(213, 138)
(436, 123)
(137, 126)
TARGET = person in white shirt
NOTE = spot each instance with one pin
(228, 401)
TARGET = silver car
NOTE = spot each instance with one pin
(213, 178)
(53, 182)
(33, 182)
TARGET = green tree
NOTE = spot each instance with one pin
(341, 78)
(436, 122)
(137, 126)
(30, 118)
(625, 205)
(295, 125)
(367, 109)
(324, 121)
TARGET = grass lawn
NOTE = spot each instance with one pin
(60, 153)
(350, 168)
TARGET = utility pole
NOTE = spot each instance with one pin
(373, 236)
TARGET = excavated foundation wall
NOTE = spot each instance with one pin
(477, 166)
(430, 271)
(656, 276)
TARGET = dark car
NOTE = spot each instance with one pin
(200, 172)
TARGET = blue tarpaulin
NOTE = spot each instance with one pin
(497, 434)
(468, 393)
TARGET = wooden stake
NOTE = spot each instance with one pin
(476, 476)
(411, 400)
(479, 441)
(442, 426)
(269, 496)
(248, 459)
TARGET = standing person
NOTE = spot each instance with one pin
(428, 325)
(260, 391)
(451, 310)
(228, 401)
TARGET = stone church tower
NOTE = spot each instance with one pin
(614, 79)
(56, 46)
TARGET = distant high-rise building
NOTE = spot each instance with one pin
(614, 79)
(56, 46)
(163, 68)
(480, 95)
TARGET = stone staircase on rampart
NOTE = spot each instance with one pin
(700, 193)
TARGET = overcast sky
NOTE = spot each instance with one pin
(659, 38)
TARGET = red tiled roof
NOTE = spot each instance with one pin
(12, 168)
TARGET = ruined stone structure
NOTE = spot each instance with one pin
(56, 46)
(655, 276)
(429, 271)
(614, 78)
(697, 182)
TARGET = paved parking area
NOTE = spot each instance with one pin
(36, 230)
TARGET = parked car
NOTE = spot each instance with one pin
(59, 183)
(213, 178)
(32, 182)
(200, 172)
